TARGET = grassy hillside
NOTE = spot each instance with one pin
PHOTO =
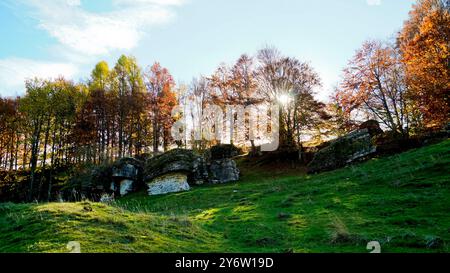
(401, 201)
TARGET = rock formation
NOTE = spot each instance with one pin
(342, 151)
(177, 161)
(223, 171)
(125, 175)
(172, 182)
(176, 170)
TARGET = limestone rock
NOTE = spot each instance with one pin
(126, 186)
(106, 198)
(179, 169)
(177, 161)
(169, 183)
(125, 171)
(224, 171)
(113, 187)
(342, 151)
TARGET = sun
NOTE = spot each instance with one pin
(284, 99)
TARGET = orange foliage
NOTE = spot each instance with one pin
(424, 42)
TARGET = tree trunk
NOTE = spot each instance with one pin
(52, 163)
(44, 162)
(34, 156)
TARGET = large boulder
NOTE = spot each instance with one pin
(125, 171)
(177, 161)
(222, 168)
(223, 171)
(342, 151)
(125, 174)
(126, 186)
(169, 183)
(179, 169)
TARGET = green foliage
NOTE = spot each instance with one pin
(401, 201)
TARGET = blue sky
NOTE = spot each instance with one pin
(48, 38)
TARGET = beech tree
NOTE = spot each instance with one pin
(425, 46)
(374, 82)
(199, 96)
(159, 85)
(236, 86)
(35, 106)
(291, 83)
(10, 137)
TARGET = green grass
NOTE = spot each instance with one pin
(401, 201)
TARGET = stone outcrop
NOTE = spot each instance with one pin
(126, 186)
(169, 183)
(125, 174)
(177, 161)
(126, 170)
(179, 169)
(223, 171)
(173, 171)
(106, 198)
(342, 151)
(222, 168)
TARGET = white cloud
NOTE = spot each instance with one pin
(158, 2)
(74, 2)
(96, 33)
(82, 35)
(14, 72)
(373, 2)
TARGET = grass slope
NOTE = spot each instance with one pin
(401, 201)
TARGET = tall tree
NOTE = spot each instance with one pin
(159, 85)
(10, 138)
(289, 82)
(128, 85)
(200, 95)
(374, 82)
(425, 45)
(35, 106)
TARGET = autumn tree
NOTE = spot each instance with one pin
(199, 96)
(161, 100)
(10, 137)
(232, 89)
(102, 103)
(35, 106)
(65, 98)
(128, 86)
(100, 76)
(290, 83)
(424, 42)
(85, 132)
(374, 83)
